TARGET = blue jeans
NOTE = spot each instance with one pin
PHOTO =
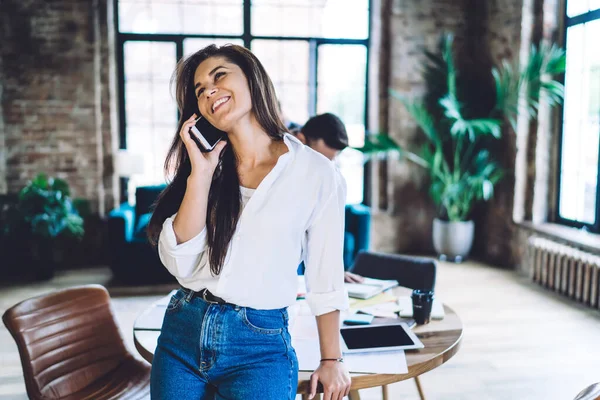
(213, 351)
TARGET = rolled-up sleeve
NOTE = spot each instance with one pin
(181, 260)
(324, 251)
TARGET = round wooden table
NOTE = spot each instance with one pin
(441, 339)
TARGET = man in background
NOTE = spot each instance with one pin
(326, 133)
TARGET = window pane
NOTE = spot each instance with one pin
(594, 4)
(342, 91)
(150, 110)
(194, 44)
(342, 86)
(581, 127)
(311, 18)
(181, 16)
(286, 63)
(577, 7)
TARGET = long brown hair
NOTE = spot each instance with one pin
(224, 201)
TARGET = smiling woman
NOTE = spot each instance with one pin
(259, 196)
(215, 81)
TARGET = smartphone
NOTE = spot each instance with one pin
(205, 135)
(358, 319)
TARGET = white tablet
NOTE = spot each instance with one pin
(367, 338)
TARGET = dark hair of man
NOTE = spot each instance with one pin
(327, 127)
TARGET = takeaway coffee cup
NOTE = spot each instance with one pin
(422, 301)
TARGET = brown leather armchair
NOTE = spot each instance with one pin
(71, 348)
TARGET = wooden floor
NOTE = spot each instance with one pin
(520, 341)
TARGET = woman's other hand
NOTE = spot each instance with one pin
(349, 277)
(335, 379)
(203, 164)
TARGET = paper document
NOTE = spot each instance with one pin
(389, 362)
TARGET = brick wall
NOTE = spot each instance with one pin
(56, 117)
(3, 152)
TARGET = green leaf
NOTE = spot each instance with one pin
(448, 41)
(451, 107)
(378, 144)
(40, 181)
(61, 186)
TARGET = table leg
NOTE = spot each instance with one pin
(354, 395)
(385, 395)
(419, 388)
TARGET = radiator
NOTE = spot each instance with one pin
(565, 269)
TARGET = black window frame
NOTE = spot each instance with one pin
(247, 37)
(595, 227)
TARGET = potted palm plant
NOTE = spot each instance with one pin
(462, 169)
(47, 219)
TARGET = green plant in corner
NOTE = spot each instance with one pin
(46, 218)
(457, 150)
(47, 209)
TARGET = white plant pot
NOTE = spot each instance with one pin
(453, 240)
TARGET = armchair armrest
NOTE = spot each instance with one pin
(141, 224)
(121, 224)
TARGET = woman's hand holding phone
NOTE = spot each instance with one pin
(203, 164)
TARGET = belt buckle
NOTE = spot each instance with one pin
(205, 299)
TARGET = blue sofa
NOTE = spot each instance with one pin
(134, 261)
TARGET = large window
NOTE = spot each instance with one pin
(578, 195)
(315, 51)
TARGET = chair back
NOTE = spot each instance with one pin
(411, 272)
(357, 232)
(66, 339)
(145, 196)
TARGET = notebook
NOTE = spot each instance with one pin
(369, 288)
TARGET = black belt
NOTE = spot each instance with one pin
(207, 296)
(211, 298)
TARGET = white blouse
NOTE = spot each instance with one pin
(295, 214)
